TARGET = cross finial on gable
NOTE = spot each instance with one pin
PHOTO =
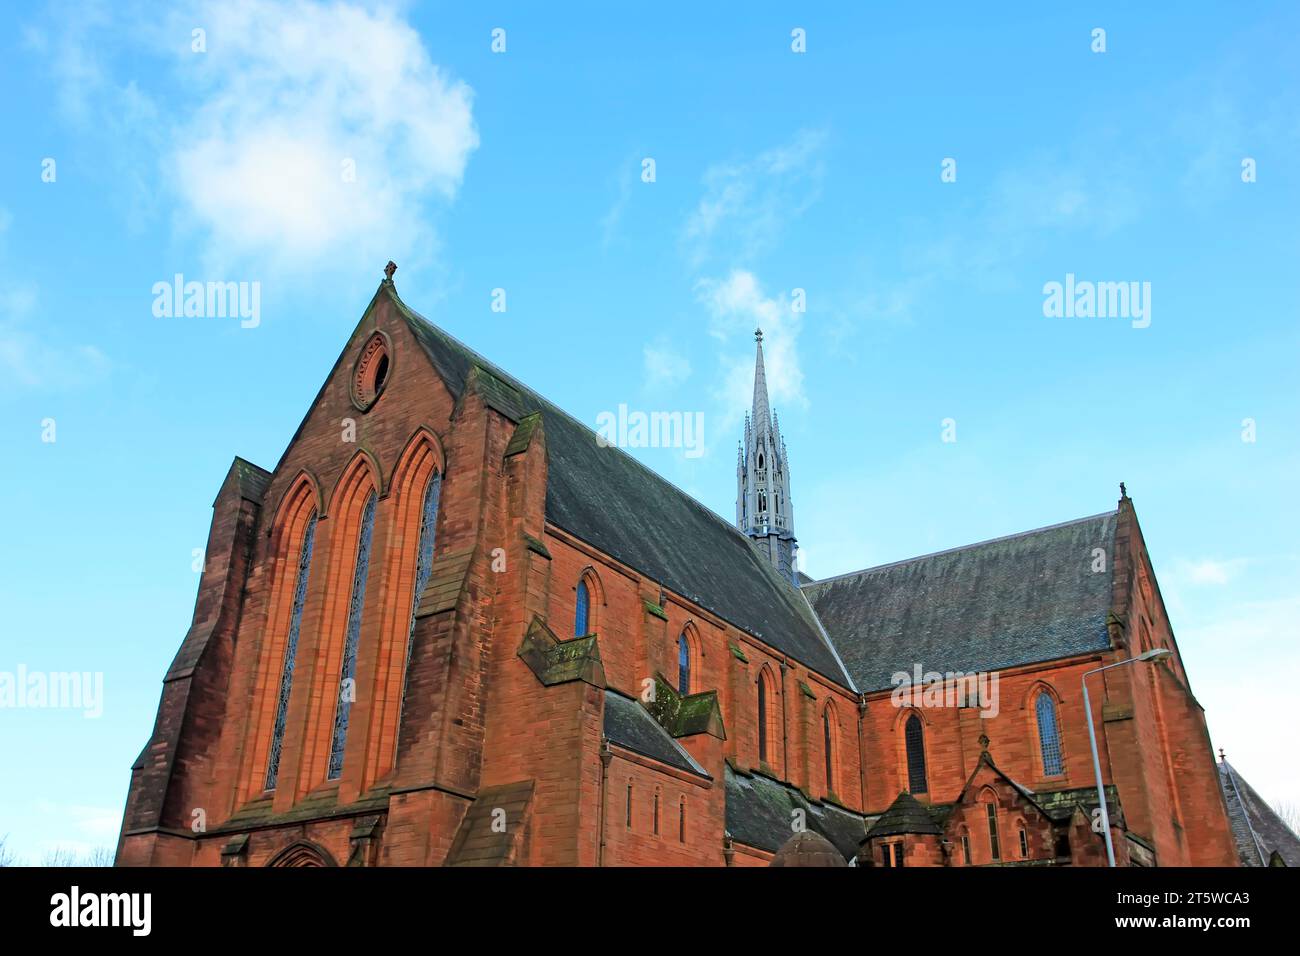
(389, 270)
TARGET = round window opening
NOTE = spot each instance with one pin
(371, 372)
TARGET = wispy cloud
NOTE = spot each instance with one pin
(32, 355)
(737, 305)
(746, 204)
(665, 366)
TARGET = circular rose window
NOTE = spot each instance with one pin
(372, 371)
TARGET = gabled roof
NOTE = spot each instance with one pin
(630, 726)
(1016, 600)
(611, 501)
(1256, 828)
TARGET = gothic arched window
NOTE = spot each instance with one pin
(683, 665)
(348, 672)
(829, 743)
(423, 562)
(991, 811)
(582, 616)
(290, 652)
(1049, 736)
(914, 738)
(762, 718)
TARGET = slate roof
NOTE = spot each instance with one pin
(760, 813)
(608, 499)
(905, 815)
(1015, 600)
(629, 725)
(1257, 830)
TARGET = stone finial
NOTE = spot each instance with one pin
(758, 335)
(1222, 756)
(389, 270)
(984, 743)
(1123, 492)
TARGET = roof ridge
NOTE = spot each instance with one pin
(964, 547)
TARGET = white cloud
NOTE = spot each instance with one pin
(1211, 572)
(289, 93)
(737, 306)
(746, 204)
(249, 139)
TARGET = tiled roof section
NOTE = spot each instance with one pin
(611, 501)
(630, 726)
(760, 813)
(905, 815)
(1256, 828)
(1016, 600)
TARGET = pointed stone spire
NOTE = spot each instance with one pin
(761, 416)
(763, 505)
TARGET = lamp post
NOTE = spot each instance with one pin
(1155, 654)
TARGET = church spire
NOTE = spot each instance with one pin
(763, 504)
(760, 412)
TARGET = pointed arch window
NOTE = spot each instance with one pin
(1024, 843)
(348, 672)
(762, 720)
(829, 743)
(683, 665)
(1049, 736)
(423, 564)
(290, 652)
(582, 614)
(914, 739)
(991, 811)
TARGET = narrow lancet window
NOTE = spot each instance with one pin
(290, 652)
(348, 672)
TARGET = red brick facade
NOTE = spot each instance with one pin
(466, 753)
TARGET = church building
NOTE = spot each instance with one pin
(453, 627)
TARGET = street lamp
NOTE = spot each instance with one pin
(1155, 654)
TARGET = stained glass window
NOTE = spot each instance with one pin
(1049, 738)
(290, 652)
(914, 737)
(683, 666)
(583, 614)
(992, 812)
(762, 718)
(423, 564)
(348, 672)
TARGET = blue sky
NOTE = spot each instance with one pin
(774, 171)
